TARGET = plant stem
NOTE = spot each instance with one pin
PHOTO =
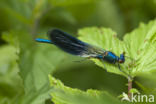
(37, 21)
(129, 87)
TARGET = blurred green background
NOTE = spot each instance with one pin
(36, 17)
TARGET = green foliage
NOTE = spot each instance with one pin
(9, 79)
(25, 65)
(133, 90)
(62, 94)
(106, 38)
(35, 63)
(33, 70)
(138, 45)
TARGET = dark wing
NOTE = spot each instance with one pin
(72, 45)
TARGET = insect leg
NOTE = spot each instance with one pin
(105, 67)
(122, 70)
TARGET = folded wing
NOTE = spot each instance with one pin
(72, 45)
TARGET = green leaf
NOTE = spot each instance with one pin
(105, 39)
(36, 61)
(40, 63)
(139, 45)
(134, 91)
(138, 38)
(11, 39)
(10, 82)
(8, 55)
(62, 94)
